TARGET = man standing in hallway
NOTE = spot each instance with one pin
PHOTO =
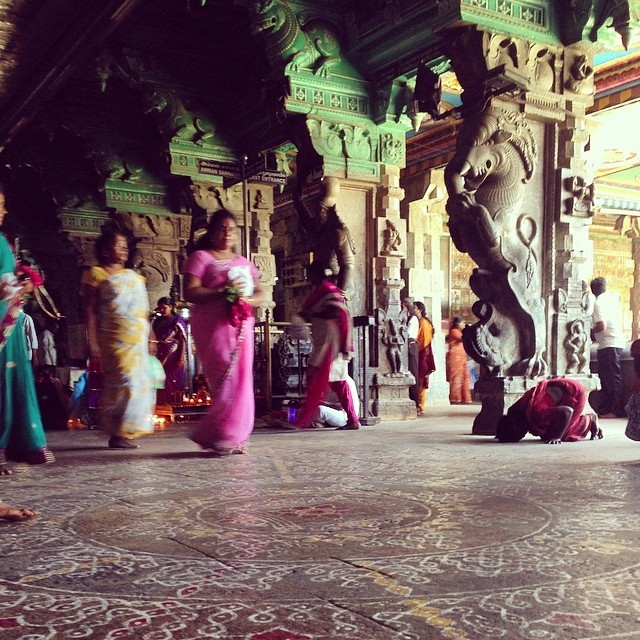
(606, 324)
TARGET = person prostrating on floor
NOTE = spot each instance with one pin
(553, 410)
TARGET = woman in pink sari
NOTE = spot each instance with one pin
(224, 287)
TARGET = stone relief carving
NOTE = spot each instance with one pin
(541, 73)
(391, 240)
(391, 149)
(582, 194)
(560, 300)
(337, 139)
(267, 267)
(111, 164)
(393, 338)
(206, 196)
(297, 40)
(259, 201)
(575, 347)
(174, 120)
(486, 179)
(504, 51)
(580, 76)
(154, 266)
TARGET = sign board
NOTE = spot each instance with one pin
(215, 168)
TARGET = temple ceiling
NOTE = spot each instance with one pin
(123, 80)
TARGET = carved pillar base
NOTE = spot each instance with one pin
(498, 394)
(393, 401)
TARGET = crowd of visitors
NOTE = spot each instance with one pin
(125, 341)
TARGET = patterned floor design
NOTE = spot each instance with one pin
(398, 531)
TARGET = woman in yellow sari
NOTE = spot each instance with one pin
(426, 364)
(118, 332)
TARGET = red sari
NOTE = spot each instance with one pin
(332, 347)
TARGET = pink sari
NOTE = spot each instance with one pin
(226, 352)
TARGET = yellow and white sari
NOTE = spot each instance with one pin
(127, 401)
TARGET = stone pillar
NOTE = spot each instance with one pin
(391, 382)
(631, 227)
(520, 198)
(260, 203)
(569, 306)
(424, 208)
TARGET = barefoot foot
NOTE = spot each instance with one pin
(16, 514)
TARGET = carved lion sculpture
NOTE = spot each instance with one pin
(298, 45)
(495, 158)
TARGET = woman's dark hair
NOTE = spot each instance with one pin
(204, 242)
(510, 429)
(165, 300)
(317, 270)
(106, 241)
(423, 309)
(455, 323)
(598, 286)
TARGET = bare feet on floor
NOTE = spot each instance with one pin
(116, 442)
(16, 514)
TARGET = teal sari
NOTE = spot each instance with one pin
(22, 437)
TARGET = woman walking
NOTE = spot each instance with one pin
(22, 437)
(171, 333)
(426, 363)
(457, 370)
(224, 287)
(117, 317)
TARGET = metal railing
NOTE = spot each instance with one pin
(281, 359)
(280, 363)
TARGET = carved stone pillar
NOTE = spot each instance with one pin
(391, 383)
(260, 203)
(631, 227)
(424, 207)
(520, 204)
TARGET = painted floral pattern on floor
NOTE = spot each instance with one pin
(303, 539)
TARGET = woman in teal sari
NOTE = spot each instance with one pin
(22, 437)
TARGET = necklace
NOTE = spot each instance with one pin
(221, 254)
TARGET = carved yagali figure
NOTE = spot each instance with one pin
(486, 179)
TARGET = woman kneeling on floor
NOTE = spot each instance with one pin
(553, 411)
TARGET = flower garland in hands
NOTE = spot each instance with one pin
(239, 309)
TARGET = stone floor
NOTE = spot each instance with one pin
(413, 530)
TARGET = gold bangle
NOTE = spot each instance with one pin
(154, 341)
